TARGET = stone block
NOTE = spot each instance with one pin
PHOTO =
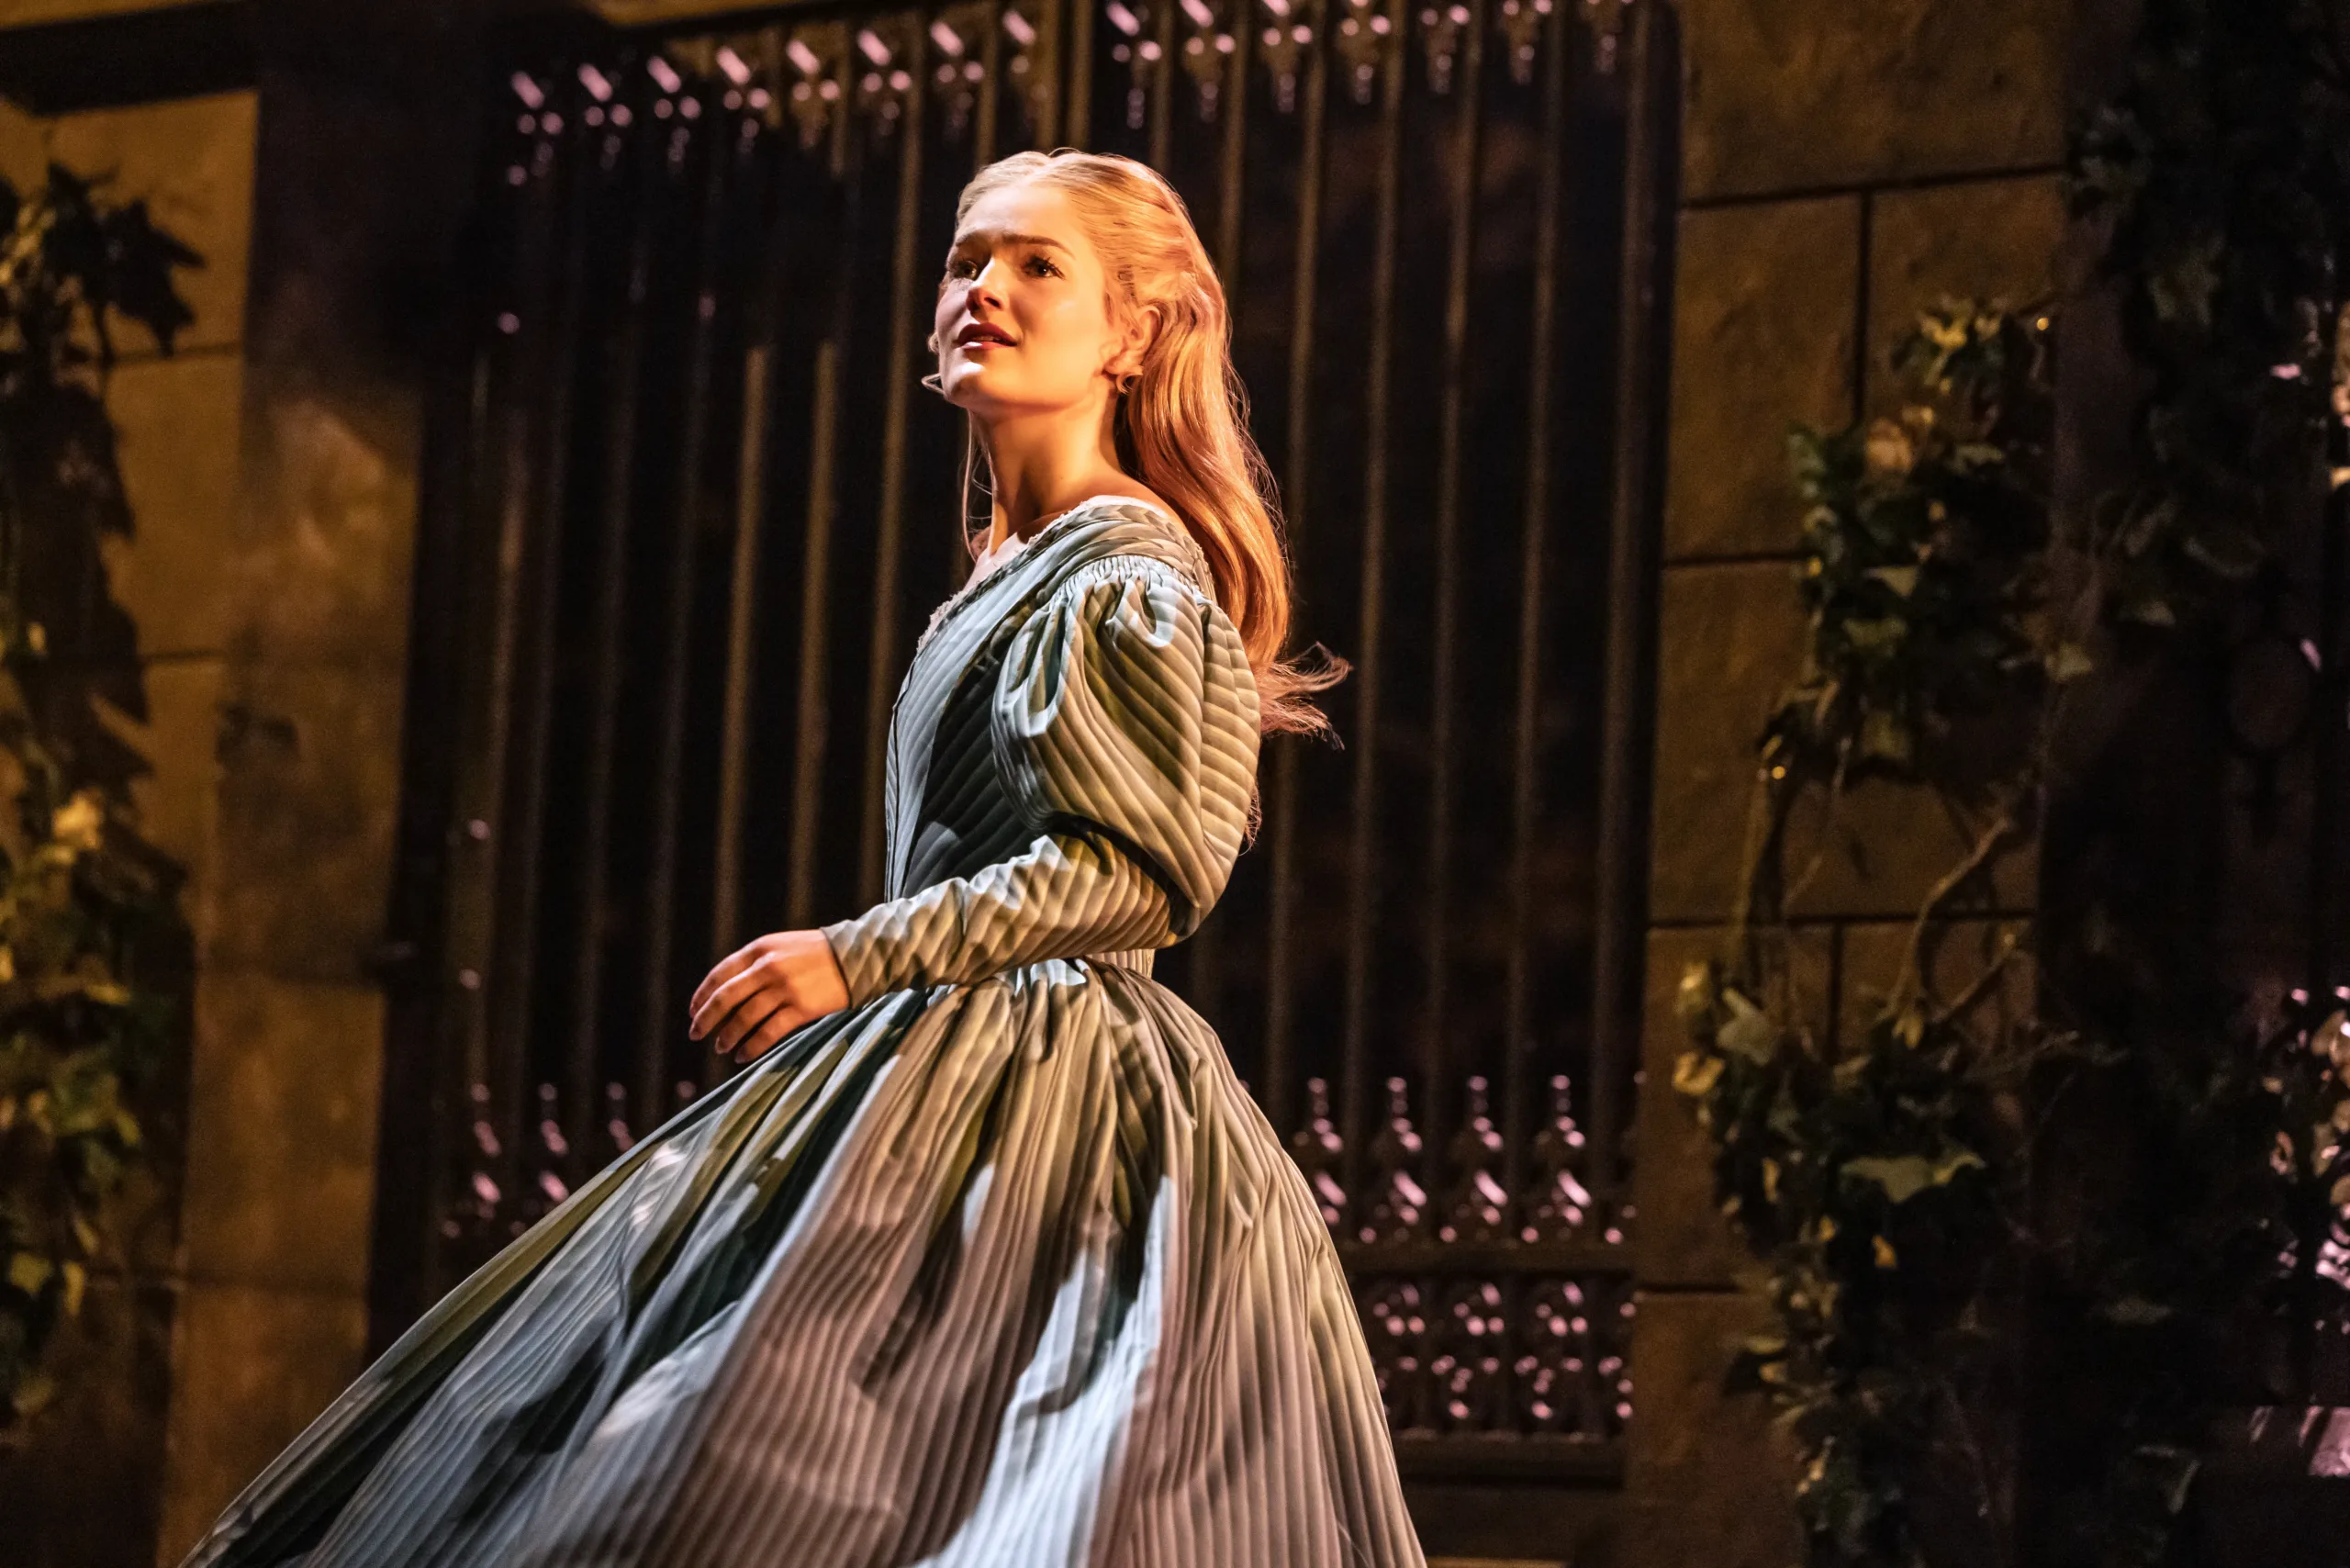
(309, 801)
(177, 801)
(1707, 1478)
(23, 144)
(1682, 1238)
(80, 1488)
(1764, 317)
(32, 13)
(177, 428)
(252, 1367)
(1730, 644)
(192, 160)
(1979, 239)
(1957, 954)
(323, 552)
(1881, 851)
(1475, 1522)
(1798, 95)
(638, 13)
(282, 1116)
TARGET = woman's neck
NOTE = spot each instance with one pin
(1044, 466)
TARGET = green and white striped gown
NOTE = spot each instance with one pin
(997, 1268)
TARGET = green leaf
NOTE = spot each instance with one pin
(2069, 661)
(1903, 1177)
(1885, 737)
(1695, 998)
(2226, 552)
(1696, 1073)
(2134, 1312)
(32, 1393)
(1876, 633)
(30, 1272)
(1750, 1032)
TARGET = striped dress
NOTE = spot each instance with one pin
(997, 1268)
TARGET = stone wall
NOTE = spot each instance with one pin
(1842, 165)
(274, 466)
(90, 1491)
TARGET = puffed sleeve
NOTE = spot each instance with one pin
(1123, 727)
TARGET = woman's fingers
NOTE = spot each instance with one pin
(725, 969)
(778, 1023)
(761, 993)
(761, 974)
(754, 1011)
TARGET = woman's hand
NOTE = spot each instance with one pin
(766, 989)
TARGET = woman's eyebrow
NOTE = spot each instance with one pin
(963, 240)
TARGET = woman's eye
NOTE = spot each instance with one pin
(1050, 269)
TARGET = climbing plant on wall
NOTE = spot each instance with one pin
(1894, 1185)
(1876, 1177)
(92, 949)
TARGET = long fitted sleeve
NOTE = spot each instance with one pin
(1123, 724)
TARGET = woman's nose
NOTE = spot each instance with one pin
(988, 284)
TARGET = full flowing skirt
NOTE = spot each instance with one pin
(1011, 1274)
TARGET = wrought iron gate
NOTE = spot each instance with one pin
(699, 501)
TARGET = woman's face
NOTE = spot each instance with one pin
(1023, 322)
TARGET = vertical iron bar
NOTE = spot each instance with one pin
(1229, 212)
(815, 568)
(1516, 1003)
(611, 604)
(501, 1050)
(1079, 34)
(889, 545)
(990, 90)
(660, 1023)
(1048, 64)
(734, 744)
(1623, 841)
(1468, 146)
(1281, 956)
(1362, 857)
(512, 995)
(1162, 85)
(471, 899)
(2324, 954)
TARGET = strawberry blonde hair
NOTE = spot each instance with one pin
(1182, 423)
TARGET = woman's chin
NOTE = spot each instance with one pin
(984, 390)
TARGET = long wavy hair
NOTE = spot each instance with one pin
(1181, 424)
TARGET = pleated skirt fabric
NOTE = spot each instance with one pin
(1020, 1276)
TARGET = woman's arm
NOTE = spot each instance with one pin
(1066, 896)
(1123, 725)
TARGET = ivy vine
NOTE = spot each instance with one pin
(1871, 1176)
(92, 951)
(1894, 1186)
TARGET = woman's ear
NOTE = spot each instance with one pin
(1135, 333)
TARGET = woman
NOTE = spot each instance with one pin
(987, 1260)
